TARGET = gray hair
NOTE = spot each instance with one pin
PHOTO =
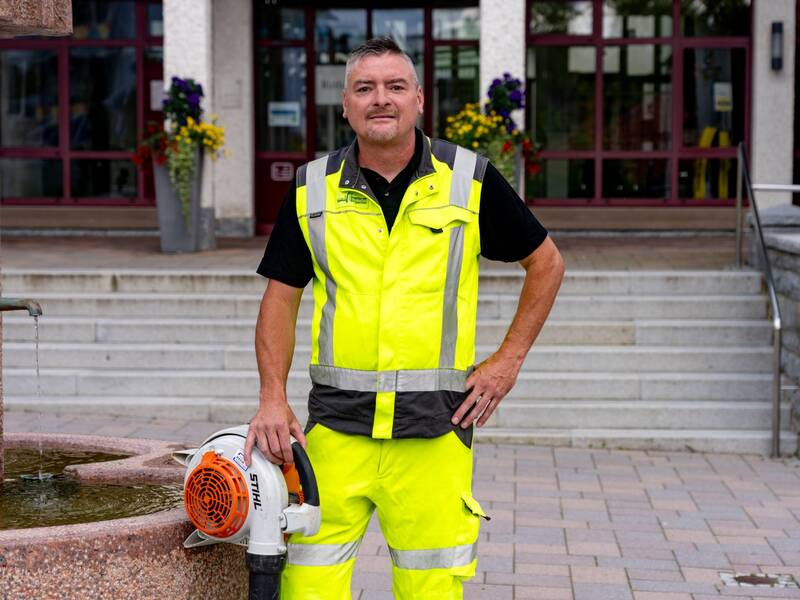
(377, 47)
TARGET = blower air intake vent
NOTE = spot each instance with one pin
(215, 496)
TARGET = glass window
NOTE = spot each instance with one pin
(561, 96)
(407, 28)
(557, 16)
(30, 178)
(456, 23)
(558, 178)
(637, 93)
(155, 20)
(456, 82)
(648, 178)
(102, 98)
(715, 17)
(28, 98)
(704, 178)
(338, 32)
(713, 97)
(97, 178)
(281, 99)
(637, 18)
(104, 19)
(279, 22)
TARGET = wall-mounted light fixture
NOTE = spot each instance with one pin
(776, 46)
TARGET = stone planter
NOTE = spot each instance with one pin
(178, 235)
(35, 17)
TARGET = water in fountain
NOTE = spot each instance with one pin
(41, 475)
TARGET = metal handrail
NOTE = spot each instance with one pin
(743, 177)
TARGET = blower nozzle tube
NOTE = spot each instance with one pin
(265, 575)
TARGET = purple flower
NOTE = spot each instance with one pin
(515, 96)
(506, 75)
(496, 82)
(199, 90)
(193, 99)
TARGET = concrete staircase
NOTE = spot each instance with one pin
(635, 359)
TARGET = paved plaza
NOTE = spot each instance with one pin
(585, 524)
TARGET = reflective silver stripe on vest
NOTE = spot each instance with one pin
(460, 189)
(315, 206)
(461, 184)
(412, 380)
(321, 555)
(438, 558)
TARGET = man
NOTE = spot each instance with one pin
(390, 230)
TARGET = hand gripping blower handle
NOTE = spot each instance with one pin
(227, 501)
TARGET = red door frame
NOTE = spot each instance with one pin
(61, 47)
(677, 151)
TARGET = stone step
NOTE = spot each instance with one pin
(694, 440)
(490, 306)
(511, 414)
(529, 385)
(708, 332)
(37, 281)
(755, 440)
(133, 356)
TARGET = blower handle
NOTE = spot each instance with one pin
(307, 479)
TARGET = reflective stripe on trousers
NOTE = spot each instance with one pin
(436, 558)
(319, 555)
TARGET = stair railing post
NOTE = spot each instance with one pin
(739, 160)
(776, 392)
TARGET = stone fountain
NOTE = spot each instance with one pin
(138, 557)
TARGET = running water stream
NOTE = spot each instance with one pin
(38, 392)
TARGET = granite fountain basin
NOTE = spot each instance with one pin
(131, 558)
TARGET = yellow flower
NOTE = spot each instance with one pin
(474, 144)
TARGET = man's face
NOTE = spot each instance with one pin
(382, 99)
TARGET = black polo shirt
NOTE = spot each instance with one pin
(508, 230)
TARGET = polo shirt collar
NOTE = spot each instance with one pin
(353, 178)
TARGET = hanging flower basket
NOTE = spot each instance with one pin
(176, 149)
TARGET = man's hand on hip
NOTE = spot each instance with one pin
(270, 429)
(487, 386)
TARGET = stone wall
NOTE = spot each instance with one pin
(784, 254)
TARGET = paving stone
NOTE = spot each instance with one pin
(542, 593)
(592, 591)
(587, 574)
(474, 591)
(660, 526)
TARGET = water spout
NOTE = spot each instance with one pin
(33, 307)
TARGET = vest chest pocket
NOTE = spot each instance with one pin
(440, 218)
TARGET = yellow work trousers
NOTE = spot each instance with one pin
(422, 491)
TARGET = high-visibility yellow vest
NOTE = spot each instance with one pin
(394, 313)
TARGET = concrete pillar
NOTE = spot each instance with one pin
(773, 101)
(502, 44)
(188, 53)
(233, 102)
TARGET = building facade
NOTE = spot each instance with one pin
(638, 105)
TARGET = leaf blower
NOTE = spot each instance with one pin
(254, 506)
